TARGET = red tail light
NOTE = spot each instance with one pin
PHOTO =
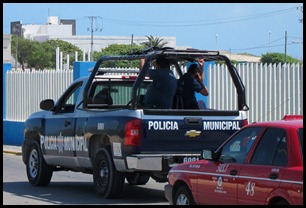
(129, 77)
(132, 133)
(245, 122)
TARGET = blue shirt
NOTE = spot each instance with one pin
(162, 90)
(187, 86)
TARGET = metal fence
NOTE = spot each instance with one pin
(25, 90)
(272, 91)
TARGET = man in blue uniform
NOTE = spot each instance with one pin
(163, 88)
(191, 82)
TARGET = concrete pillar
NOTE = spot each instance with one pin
(6, 67)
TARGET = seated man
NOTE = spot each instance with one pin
(163, 88)
(103, 97)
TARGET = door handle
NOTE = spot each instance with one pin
(273, 175)
(233, 172)
(192, 121)
(67, 123)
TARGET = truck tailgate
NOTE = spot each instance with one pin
(181, 131)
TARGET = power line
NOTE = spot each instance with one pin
(266, 45)
(201, 22)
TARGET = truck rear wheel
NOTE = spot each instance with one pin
(108, 181)
(38, 172)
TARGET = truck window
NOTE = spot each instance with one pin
(68, 101)
(118, 92)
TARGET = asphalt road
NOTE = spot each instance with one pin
(68, 188)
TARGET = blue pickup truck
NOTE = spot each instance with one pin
(99, 126)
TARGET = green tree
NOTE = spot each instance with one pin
(66, 48)
(21, 49)
(41, 56)
(118, 49)
(154, 42)
(275, 58)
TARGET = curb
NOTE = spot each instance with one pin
(12, 152)
(16, 150)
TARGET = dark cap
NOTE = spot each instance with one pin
(162, 62)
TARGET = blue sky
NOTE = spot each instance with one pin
(254, 28)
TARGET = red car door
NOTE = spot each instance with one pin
(267, 166)
(217, 183)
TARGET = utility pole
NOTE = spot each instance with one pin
(131, 49)
(92, 30)
(216, 41)
(285, 46)
(16, 59)
(301, 20)
(269, 40)
(17, 45)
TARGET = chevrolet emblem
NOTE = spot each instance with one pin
(192, 133)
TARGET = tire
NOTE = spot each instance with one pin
(38, 172)
(137, 178)
(282, 202)
(183, 196)
(107, 180)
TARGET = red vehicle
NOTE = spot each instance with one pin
(260, 164)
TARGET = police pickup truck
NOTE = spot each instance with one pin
(99, 126)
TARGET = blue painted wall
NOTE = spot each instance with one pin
(80, 69)
(13, 132)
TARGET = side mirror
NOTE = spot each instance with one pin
(47, 104)
(209, 155)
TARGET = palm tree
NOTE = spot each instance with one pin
(154, 42)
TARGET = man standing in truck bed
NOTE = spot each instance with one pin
(163, 88)
(191, 82)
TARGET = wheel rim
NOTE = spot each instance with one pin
(33, 163)
(104, 173)
(182, 200)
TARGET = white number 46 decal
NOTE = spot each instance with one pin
(250, 188)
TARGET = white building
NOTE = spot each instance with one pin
(54, 30)
(7, 58)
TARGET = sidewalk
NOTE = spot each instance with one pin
(12, 149)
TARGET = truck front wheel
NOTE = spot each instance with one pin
(38, 172)
(108, 181)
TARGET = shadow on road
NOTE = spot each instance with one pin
(82, 193)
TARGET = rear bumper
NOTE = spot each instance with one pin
(141, 162)
(156, 162)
